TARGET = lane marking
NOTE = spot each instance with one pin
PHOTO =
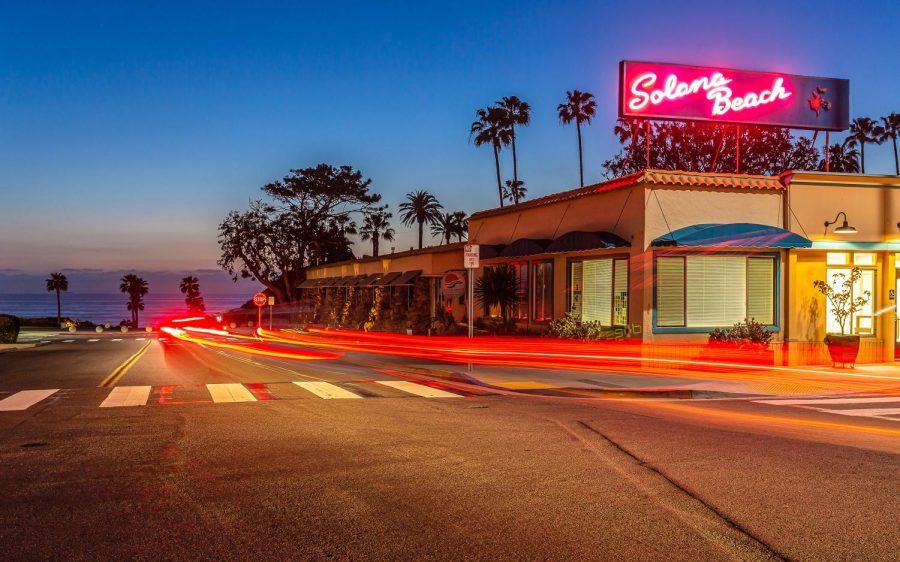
(418, 389)
(92, 340)
(116, 375)
(68, 341)
(230, 392)
(24, 399)
(122, 396)
(117, 339)
(801, 402)
(326, 390)
(139, 339)
(863, 412)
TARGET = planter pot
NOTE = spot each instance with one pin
(843, 349)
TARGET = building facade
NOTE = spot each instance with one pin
(667, 256)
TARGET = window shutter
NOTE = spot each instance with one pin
(716, 290)
(761, 290)
(597, 299)
(670, 291)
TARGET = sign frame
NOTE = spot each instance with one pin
(836, 118)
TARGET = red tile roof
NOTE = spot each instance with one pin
(659, 177)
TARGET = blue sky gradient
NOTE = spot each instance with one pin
(127, 130)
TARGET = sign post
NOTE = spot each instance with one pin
(470, 260)
(271, 305)
(260, 300)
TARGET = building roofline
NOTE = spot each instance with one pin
(367, 259)
(838, 179)
(650, 176)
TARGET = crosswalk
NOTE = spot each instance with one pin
(70, 340)
(879, 407)
(224, 393)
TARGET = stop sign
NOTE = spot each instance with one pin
(260, 299)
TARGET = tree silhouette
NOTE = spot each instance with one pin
(377, 225)
(889, 130)
(190, 288)
(863, 130)
(135, 288)
(517, 112)
(57, 282)
(579, 107)
(419, 208)
(490, 128)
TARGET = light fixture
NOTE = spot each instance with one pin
(845, 228)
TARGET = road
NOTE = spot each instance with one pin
(231, 455)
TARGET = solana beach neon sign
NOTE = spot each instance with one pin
(697, 93)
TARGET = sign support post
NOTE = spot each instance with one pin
(271, 306)
(471, 255)
(260, 300)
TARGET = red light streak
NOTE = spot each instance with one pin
(254, 348)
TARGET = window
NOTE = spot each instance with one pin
(863, 258)
(520, 311)
(837, 258)
(543, 291)
(599, 290)
(702, 291)
(861, 322)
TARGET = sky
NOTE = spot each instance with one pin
(128, 130)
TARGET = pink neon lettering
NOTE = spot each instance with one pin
(716, 87)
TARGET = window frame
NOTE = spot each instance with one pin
(532, 283)
(873, 299)
(613, 258)
(776, 290)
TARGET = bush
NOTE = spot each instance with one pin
(749, 332)
(572, 328)
(9, 328)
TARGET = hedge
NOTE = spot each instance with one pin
(9, 328)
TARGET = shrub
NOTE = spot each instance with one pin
(9, 328)
(749, 332)
(573, 328)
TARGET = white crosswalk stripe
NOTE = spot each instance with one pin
(92, 340)
(888, 406)
(68, 341)
(230, 392)
(24, 399)
(419, 389)
(326, 390)
(122, 396)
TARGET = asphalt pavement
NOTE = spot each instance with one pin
(152, 447)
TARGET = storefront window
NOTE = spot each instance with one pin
(520, 311)
(700, 291)
(543, 291)
(599, 291)
(862, 322)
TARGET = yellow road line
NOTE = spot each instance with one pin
(116, 375)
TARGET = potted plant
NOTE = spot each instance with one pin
(843, 348)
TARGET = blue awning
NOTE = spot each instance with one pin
(732, 235)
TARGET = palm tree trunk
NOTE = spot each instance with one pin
(515, 160)
(896, 161)
(421, 226)
(717, 150)
(497, 167)
(862, 154)
(580, 161)
(374, 244)
(58, 309)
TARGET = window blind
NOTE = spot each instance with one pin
(620, 293)
(760, 290)
(597, 290)
(670, 291)
(716, 290)
(575, 287)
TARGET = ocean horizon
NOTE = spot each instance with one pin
(109, 307)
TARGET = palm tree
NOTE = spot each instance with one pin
(420, 207)
(498, 286)
(579, 107)
(518, 112)
(460, 225)
(135, 288)
(842, 158)
(890, 130)
(490, 127)
(190, 288)
(377, 225)
(863, 130)
(515, 190)
(57, 282)
(444, 227)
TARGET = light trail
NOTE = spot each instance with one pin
(255, 348)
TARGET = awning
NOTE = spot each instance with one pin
(407, 278)
(355, 280)
(579, 240)
(369, 280)
(732, 235)
(328, 282)
(308, 284)
(525, 247)
(386, 280)
(488, 251)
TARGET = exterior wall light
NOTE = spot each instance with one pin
(845, 228)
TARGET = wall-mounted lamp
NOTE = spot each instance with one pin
(844, 228)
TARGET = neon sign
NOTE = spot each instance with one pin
(692, 93)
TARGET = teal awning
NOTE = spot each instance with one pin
(732, 235)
